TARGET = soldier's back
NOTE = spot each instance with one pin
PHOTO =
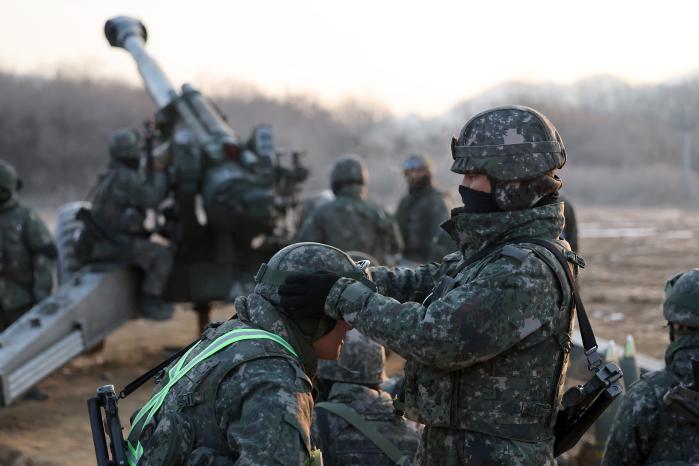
(646, 432)
(348, 223)
(347, 446)
(240, 404)
(419, 216)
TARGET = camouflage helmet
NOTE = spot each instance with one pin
(681, 304)
(349, 169)
(518, 149)
(361, 361)
(417, 162)
(8, 177)
(125, 144)
(306, 257)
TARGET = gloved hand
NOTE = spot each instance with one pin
(305, 293)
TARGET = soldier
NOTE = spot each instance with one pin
(487, 351)
(420, 212)
(121, 200)
(27, 257)
(351, 222)
(358, 425)
(247, 395)
(648, 429)
(27, 251)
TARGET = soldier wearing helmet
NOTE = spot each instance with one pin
(247, 397)
(487, 332)
(354, 383)
(654, 424)
(349, 221)
(27, 252)
(121, 200)
(420, 212)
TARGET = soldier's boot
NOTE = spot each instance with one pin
(154, 308)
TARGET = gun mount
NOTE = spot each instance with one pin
(228, 209)
(225, 194)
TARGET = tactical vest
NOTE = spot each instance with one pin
(162, 431)
(376, 438)
(669, 439)
(514, 395)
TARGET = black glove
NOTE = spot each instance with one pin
(305, 293)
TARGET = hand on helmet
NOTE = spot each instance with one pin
(305, 293)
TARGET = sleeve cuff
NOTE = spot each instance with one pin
(346, 299)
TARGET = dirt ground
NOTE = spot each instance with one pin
(630, 253)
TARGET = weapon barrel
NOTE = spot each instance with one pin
(130, 34)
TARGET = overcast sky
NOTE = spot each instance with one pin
(420, 57)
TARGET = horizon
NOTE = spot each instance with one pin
(406, 59)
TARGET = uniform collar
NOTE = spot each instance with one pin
(474, 232)
(678, 356)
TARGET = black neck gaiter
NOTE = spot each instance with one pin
(478, 202)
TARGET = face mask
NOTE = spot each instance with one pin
(477, 202)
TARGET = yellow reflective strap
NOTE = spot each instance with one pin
(146, 408)
(180, 369)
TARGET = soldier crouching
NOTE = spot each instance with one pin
(243, 393)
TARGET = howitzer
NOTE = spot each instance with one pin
(224, 193)
(226, 212)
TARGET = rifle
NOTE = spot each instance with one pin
(106, 401)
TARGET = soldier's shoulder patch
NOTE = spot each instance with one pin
(515, 253)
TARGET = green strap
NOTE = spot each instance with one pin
(180, 369)
(358, 422)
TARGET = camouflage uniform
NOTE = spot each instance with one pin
(487, 352)
(121, 200)
(351, 222)
(646, 430)
(357, 375)
(251, 402)
(27, 253)
(419, 214)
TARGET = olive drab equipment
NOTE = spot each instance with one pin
(223, 191)
(129, 451)
(124, 144)
(681, 305)
(348, 169)
(362, 361)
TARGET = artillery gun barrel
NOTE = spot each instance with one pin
(130, 34)
(215, 136)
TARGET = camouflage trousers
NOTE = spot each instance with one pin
(451, 447)
(155, 260)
